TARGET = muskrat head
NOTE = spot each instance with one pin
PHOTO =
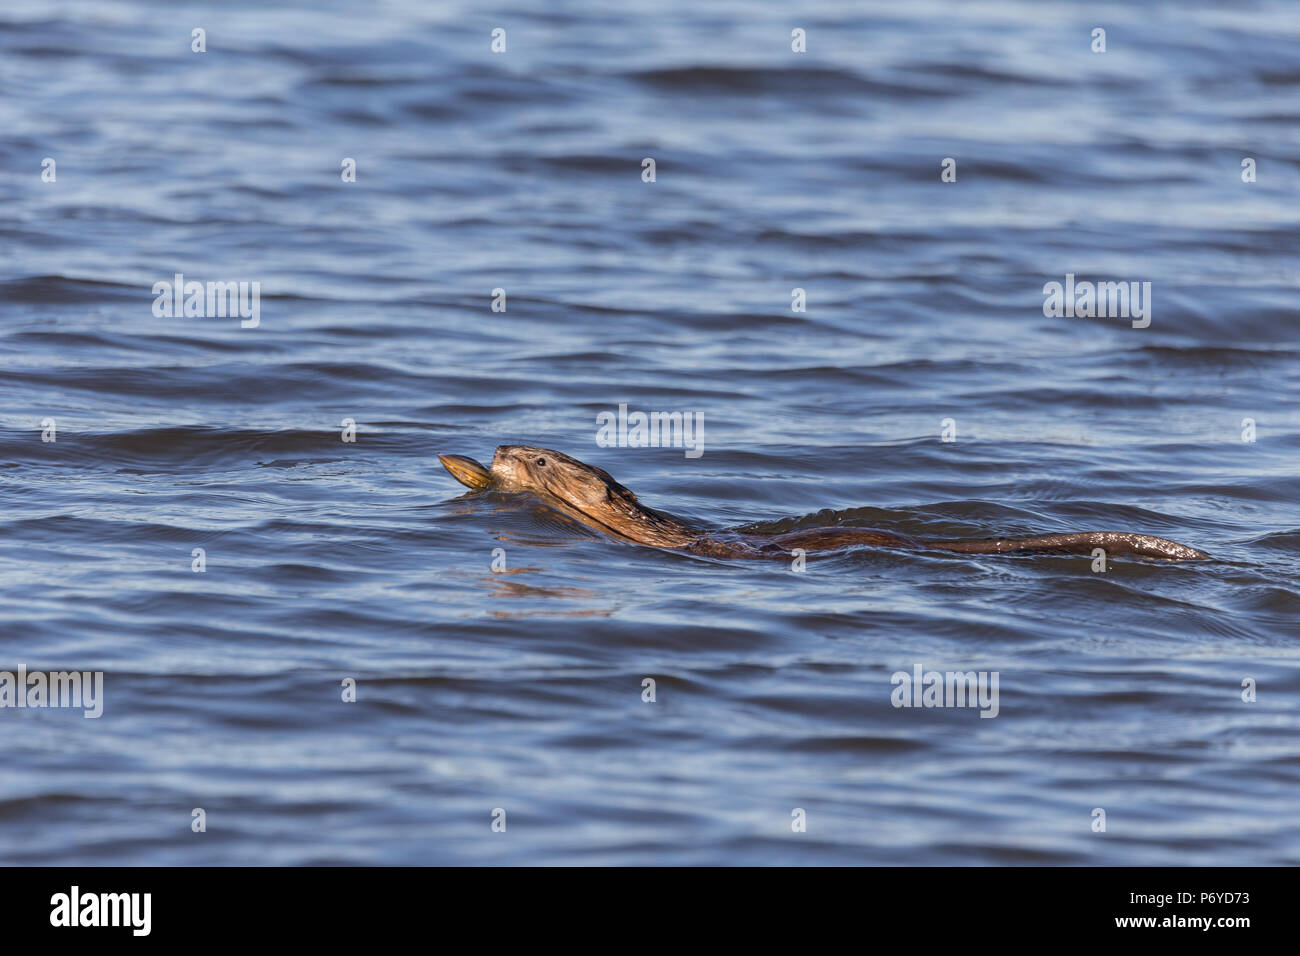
(586, 493)
(525, 468)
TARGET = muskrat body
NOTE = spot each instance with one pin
(590, 496)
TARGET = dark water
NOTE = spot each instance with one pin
(522, 171)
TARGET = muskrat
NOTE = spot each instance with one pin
(589, 495)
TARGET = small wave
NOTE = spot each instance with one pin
(765, 81)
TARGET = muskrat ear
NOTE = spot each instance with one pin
(616, 492)
(612, 488)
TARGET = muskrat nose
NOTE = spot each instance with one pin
(503, 452)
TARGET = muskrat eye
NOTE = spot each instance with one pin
(541, 461)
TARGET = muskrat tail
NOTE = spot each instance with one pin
(1112, 542)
